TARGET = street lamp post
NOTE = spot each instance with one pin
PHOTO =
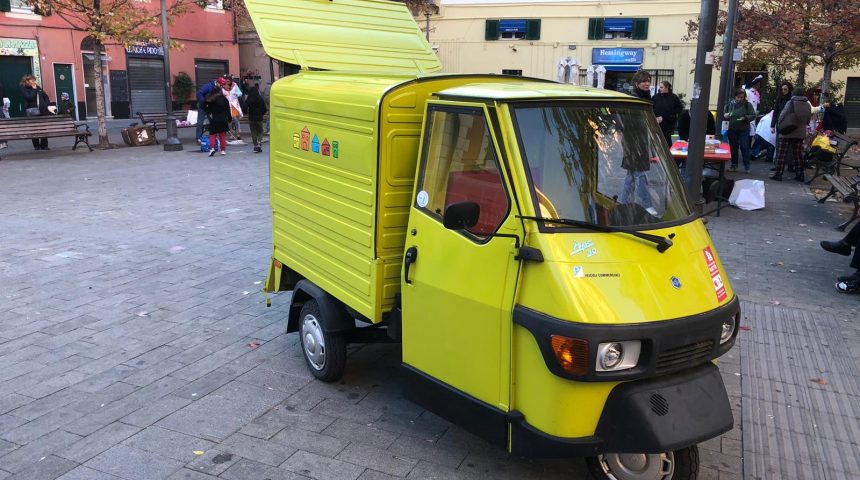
(172, 144)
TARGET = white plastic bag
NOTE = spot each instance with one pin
(763, 129)
(748, 194)
(192, 117)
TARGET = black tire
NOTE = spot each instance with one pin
(333, 363)
(686, 465)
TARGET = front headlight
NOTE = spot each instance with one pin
(614, 356)
(728, 330)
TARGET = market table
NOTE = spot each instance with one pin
(716, 159)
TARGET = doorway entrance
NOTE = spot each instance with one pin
(64, 82)
(12, 68)
(852, 102)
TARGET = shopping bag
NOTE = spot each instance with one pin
(192, 117)
(748, 194)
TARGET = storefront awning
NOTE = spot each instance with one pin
(621, 68)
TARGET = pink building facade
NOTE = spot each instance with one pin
(62, 58)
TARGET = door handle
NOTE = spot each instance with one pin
(410, 258)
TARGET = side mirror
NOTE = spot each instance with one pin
(461, 215)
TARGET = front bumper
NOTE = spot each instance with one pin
(643, 416)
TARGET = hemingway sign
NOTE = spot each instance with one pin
(617, 56)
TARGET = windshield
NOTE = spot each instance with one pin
(607, 165)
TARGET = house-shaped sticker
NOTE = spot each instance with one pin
(334, 149)
(306, 139)
(315, 144)
(326, 147)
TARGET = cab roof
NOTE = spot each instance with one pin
(530, 90)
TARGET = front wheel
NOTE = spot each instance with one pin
(680, 464)
(324, 352)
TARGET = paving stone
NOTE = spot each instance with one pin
(374, 475)
(265, 377)
(98, 442)
(312, 442)
(186, 474)
(376, 459)
(133, 464)
(47, 468)
(250, 470)
(12, 401)
(6, 447)
(214, 461)
(168, 443)
(41, 426)
(358, 433)
(321, 468)
(443, 454)
(222, 412)
(148, 415)
(286, 416)
(27, 455)
(85, 473)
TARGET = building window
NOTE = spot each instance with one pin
(512, 29)
(20, 6)
(214, 4)
(617, 28)
(518, 73)
(658, 76)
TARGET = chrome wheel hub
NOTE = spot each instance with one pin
(638, 466)
(313, 342)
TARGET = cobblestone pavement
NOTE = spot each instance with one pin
(134, 342)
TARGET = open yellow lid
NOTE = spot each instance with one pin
(345, 35)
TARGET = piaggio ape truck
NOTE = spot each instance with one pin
(528, 243)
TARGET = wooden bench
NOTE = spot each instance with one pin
(158, 120)
(835, 163)
(847, 186)
(48, 126)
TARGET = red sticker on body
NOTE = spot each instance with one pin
(716, 279)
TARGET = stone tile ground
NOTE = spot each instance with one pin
(133, 337)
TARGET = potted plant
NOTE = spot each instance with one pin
(182, 88)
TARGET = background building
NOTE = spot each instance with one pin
(538, 38)
(62, 58)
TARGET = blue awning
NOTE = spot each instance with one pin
(618, 25)
(621, 68)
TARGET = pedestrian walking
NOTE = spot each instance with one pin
(848, 283)
(217, 107)
(233, 96)
(791, 126)
(202, 93)
(642, 85)
(739, 112)
(256, 110)
(667, 108)
(36, 103)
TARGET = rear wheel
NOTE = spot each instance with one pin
(324, 352)
(676, 465)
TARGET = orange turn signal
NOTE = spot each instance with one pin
(571, 354)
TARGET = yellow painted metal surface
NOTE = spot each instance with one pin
(344, 35)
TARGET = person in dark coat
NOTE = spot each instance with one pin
(790, 145)
(256, 107)
(36, 102)
(642, 85)
(848, 283)
(667, 109)
(739, 112)
(202, 93)
(218, 109)
(684, 125)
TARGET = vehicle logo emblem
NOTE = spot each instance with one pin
(676, 283)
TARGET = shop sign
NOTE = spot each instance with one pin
(146, 50)
(617, 56)
(23, 47)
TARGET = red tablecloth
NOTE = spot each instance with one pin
(723, 153)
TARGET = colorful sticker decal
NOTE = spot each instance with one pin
(306, 139)
(719, 287)
(578, 272)
(676, 282)
(586, 246)
(297, 142)
(315, 144)
(422, 199)
(326, 147)
(334, 146)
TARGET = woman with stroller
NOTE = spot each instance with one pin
(218, 109)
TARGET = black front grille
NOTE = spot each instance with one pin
(685, 356)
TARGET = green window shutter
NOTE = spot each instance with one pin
(640, 28)
(492, 30)
(5, 5)
(595, 29)
(533, 29)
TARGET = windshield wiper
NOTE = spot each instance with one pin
(663, 243)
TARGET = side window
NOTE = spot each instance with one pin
(460, 165)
